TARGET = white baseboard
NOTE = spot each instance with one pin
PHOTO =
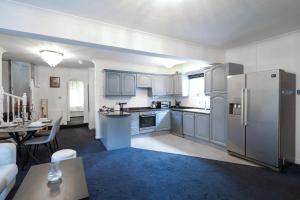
(297, 161)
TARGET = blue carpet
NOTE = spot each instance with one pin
(145, 175)
(141, 174)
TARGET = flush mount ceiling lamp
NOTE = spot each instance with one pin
(52, 58)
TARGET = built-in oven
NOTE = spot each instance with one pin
(147, 122)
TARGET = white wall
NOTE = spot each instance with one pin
(278, 52)
(57, 97)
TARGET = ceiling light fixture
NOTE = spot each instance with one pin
(52, 58)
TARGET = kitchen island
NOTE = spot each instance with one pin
(115, 129)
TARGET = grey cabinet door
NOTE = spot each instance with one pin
(218, 117)
(158, 85)
(128, 84)
(188, 123)
(113, 84)
(176, 122)
(135, 123)
(163, 120)
(202, 126)
(219, 79)
(207, 82)
(144, 81)
(170, 85)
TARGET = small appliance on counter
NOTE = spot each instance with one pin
(165, 104)
(177, 103)
(156, 104)
(121, 105)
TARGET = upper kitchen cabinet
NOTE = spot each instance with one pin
(120, 83)
(144, 81)
(128, 84)
(180, 85)
(113, 83)
(162, 85)
(216, 77)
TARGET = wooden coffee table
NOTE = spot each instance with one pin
(73, 185)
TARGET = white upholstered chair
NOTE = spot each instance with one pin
(8, 168)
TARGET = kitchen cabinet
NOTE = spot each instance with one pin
(176, 122)
(219, 79)
(113, 84)
(188, 119)
(144, 81)
(180, 85)
(163, 120)
(218, 75)
(161, 85)
(128, 84)
(207, 82)
(120, 83)
(202, 126)
(218, 118)
(135, 125)
(170, 85)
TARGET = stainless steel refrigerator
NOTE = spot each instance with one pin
(261, 117)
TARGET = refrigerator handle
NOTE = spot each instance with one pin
(242, 107)
(246, 107)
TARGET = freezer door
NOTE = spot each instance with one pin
(262, 115)
(236, 128)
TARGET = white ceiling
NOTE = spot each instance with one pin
(221, 23)
(25, 49)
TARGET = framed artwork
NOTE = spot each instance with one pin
(54, 82)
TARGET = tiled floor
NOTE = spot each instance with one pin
(173, 144)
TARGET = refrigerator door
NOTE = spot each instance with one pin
(236, 128)
(262, 116)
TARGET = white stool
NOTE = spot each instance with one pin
(63, 154)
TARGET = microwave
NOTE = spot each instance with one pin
(165, 104)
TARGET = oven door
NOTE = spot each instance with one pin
(147, 121)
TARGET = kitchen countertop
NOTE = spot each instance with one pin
(181, 109)
(115, 114)
(193, 110)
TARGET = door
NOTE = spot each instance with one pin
(113, 84)
(219, 80)
(202, 126)
(262, 116)
(128, 84)
(188, 123)
(176, 122)
(236, 128)
(218, 117)
(163, 120)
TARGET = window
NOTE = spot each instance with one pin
(196, 91)
(76, 95)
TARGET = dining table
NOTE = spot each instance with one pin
(16, 131)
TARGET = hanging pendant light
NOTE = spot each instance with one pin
(52, 58)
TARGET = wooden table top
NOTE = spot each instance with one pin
(73, 185)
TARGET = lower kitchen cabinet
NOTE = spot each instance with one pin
(202, 126)
(135, 123)
(163, 120)
(188, 119)
(176, 122)
(218, 119)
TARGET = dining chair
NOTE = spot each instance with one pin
(44, 132)
(43, 140)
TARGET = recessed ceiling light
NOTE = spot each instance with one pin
(52, 58)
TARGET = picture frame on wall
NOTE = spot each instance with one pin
(54, 82)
